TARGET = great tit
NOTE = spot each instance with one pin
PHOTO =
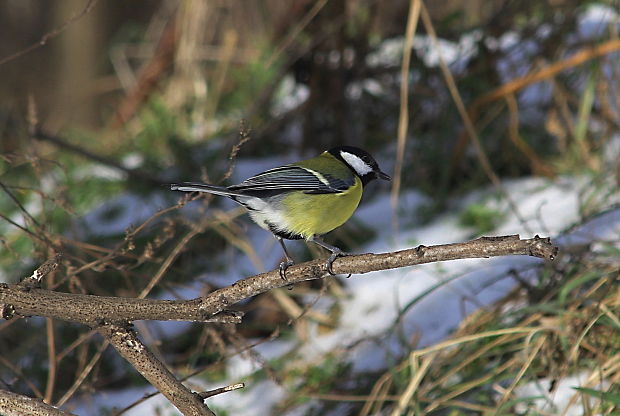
(305, 199)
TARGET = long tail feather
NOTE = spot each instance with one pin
(203, 187)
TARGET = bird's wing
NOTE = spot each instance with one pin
(292, 178)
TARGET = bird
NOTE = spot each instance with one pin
(305, 199)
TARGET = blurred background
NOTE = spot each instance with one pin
(103, 102)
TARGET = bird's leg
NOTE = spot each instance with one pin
(336, 252)
(285, 264)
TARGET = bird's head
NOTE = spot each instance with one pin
(360, 162)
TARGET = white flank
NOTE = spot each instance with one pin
(264, 214)
(361, 167)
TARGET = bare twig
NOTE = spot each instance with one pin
(211, 393)
(538, 166)
(126, 342)
(136, 174)
(83, 374)
(50, 35)
(50, 265)
(295, 31)
(245, 135)
(14, 367)
(24, 229)
(20, 206)
(12, 404)
(171, 257)
(91, 310)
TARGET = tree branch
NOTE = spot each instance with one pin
(93, 310)
(13, 404)
(110, 316)
(17, 300)
(482, 247)
(127, 343)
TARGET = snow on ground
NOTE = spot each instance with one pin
(375, 300)
(564, 400)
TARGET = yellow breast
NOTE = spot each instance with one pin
(310, 214)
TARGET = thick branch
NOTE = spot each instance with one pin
(12, 404)
(92, 310)
(126, 342)
(15, 300)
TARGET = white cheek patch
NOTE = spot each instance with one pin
(361, 167)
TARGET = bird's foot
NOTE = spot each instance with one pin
(330, 261)
(283, 266)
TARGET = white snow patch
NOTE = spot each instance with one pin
(557, 401)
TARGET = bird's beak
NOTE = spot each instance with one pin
(383, 176)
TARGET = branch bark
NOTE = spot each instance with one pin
(482, 247)
(13, 404)
(17, 300)
(128, 345)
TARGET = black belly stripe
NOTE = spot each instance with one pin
(283, 234)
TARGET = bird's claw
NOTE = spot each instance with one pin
(283, 267)
(332, 258)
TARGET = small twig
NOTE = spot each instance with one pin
(536, 163)
(12, 404)
(136, 174)
(14, 367)
(83, 374)
(295, 31)
(211, 393)
(24, 229)
(244, 136)
(517, 84)
(50, 35)
(150, 73)
(76, 343)
(20, 206)
(176, 251)
(126, 342)
(49, 266)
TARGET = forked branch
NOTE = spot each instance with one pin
(112, 316)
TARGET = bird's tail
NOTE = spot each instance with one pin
(203, 187)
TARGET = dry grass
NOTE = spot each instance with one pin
(572, 329)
